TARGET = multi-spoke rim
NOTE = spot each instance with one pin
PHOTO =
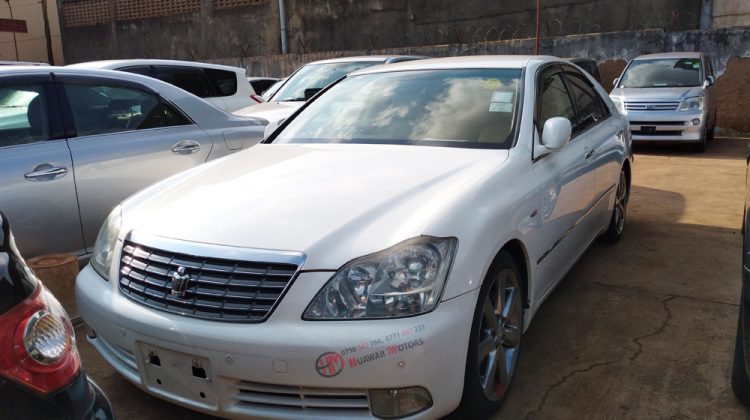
(621, 202)
(500, 335)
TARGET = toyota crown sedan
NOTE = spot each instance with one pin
(378, 255)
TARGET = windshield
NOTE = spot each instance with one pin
(316, 76)
(468, 108)
(666, 72)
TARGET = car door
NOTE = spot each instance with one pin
(126, 138)
(567, 182)
(37, 187)
(603, 134)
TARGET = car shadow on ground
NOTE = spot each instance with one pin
(730, 148)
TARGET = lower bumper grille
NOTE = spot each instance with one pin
(657, 133)
(202, 287)
(252, 395)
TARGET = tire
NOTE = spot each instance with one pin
(485, 388)
(740, 381)
(710, 134)
(700, 147)
(619, 210)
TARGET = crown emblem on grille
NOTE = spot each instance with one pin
(180, 282)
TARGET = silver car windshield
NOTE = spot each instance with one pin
(315, 77)
(464, 108)
(665, 72)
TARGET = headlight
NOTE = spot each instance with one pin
(692, 104)
(619, 105)
(404, 280)
(101, 260)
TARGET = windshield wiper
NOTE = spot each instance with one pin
(293, 100)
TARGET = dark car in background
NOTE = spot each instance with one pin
(589, 65)
(740, 373)
(40, 369)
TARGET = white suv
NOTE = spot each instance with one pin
(224, 86)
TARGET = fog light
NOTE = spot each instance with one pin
(401, 402)
(696, 121)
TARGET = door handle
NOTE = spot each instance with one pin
(186, 147)
(589, 154)
(45, 172)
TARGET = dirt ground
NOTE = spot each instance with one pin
(642, 329)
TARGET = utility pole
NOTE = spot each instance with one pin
(47, 35)
(15, 43)
(538, 9)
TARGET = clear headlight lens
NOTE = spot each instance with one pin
(692, 104)
(406, 279)
(619, 104)
(101, 260)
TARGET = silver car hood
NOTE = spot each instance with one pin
(654, 94)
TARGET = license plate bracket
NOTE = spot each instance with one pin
(177, 375)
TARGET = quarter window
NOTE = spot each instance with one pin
(101, 109)
(191, 79)
(224, 81)
(24, 115)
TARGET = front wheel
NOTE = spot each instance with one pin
(495, 340)
(619, 212)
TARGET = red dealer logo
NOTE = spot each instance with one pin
(329, 364)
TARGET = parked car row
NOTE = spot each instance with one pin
(400, 213)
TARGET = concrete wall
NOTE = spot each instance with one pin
(334, 25)
(727, 13)
(32, 46)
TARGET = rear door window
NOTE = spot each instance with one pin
(191, 79)
(225, 82)
(589, 107)
(101, 109)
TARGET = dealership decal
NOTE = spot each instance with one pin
(329, 364)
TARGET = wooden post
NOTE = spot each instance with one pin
(58, 272)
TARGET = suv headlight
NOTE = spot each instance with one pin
(619, 104)
(406, 279)
(692, 104)
(101, 259)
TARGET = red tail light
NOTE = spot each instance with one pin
(257, 98)
(37, 344)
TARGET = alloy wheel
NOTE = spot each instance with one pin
(500, 335)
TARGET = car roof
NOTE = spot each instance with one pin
(669, 55)
(365, 58)
(115, 64)
(464, 62)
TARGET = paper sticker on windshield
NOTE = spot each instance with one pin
(492, 84)
(498, 96)
(501, 107)
(696, 65)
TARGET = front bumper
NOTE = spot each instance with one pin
(667, 126)
(284, 367)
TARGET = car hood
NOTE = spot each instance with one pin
(332, 202)
(270, 111)
(655, 94)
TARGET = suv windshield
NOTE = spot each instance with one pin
(468, 108)
(663, 72)
(316, 76)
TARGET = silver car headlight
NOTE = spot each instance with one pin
(406, 279)
(692, 104)
(101, 259)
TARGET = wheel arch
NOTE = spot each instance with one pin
(517, 251)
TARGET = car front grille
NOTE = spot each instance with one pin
(336, 402)
(212, 288)
(651, 106)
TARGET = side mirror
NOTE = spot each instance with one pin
(556, 133)
(271, 127)
(615, 82)
(708, 82)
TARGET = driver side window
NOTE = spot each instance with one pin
(554, 100)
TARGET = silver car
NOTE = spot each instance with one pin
(75, 142)
(667, 98)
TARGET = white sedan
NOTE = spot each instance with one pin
(378, 256)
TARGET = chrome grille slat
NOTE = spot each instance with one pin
(651, 106)
(303, 398)
(220, 289)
